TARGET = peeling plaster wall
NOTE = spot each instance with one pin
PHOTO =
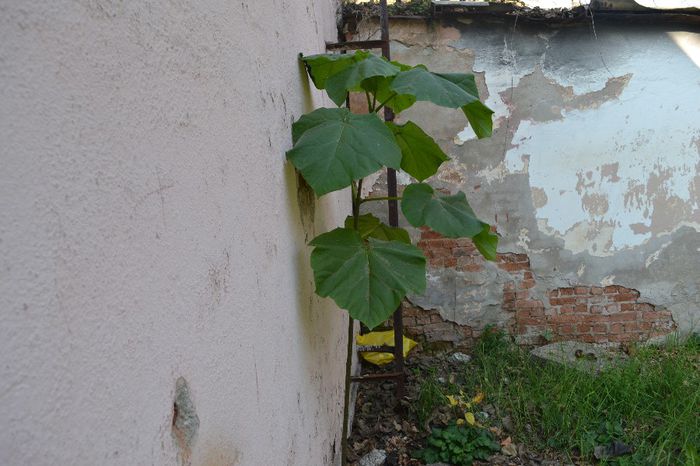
(593, 170)
(157, 303)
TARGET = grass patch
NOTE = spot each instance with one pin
(652, 402)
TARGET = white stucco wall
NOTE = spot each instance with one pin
(150, 229)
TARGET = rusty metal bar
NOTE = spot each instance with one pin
(355, 45)
(376, 349)
(393, 217)
(378, 377)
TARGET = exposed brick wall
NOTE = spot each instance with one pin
(429, 326)
(596, 314)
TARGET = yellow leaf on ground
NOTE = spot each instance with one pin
(460, 422)
(470, 418)
(453, 401)
(478, 398)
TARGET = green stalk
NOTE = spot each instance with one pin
(356, 193)
(383, 198)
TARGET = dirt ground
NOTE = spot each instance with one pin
(381, 421)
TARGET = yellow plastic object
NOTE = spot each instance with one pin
(382, 339)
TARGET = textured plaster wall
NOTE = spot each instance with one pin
(152, 236)
(593, 170)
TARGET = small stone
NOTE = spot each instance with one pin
(508, 424)
(510, 450)
(373, 458)
(460, 357)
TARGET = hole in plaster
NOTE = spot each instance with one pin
(185, 420)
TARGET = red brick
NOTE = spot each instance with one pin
(596, 290)
(616, 328)
(565, 329)
(583, 328)
(564, 319)
(625, 297)
(600, 328)
(612, 308)
(611, 289)
(655, 315)
(558, 301)
(527, 284)
(593, 318)
(581, 308)
(624, 307)
(644, 307)
(530, 321)
(631, 327)
(624, 317)
(566, 291)
(567, 309)
(471, 268)
(522, 294)
(529, 304)
(511, 267)
(429, 234)
(581, 290)
(528, 276)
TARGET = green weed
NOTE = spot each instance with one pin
(458, 445)
(430, 397)
(652, 402)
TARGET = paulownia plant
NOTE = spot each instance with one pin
(366, 266)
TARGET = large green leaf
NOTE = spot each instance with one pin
(333, 147)
(370, 226)
(380, 87)
(449, 215)
(321, 67)
(427, 86)
(466, 81)
(420, 155)
(368, 278)
(478, 114)
(350, 78)
(486, 242)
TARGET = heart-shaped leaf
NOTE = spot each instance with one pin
(449, 215)
(420, 155)
(333, 147)
(368, 278)
(370, 226)
(427, 86)
(486, 242)
(321, 67)
(478, 114)
(350, 78)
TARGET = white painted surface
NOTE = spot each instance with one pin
(149, 229)
(651, 132)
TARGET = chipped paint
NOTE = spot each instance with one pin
(593, 169)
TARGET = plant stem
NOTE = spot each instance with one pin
(370, 105)
(346, 401)
(356, 206)
(385, 102)
(383, 198)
